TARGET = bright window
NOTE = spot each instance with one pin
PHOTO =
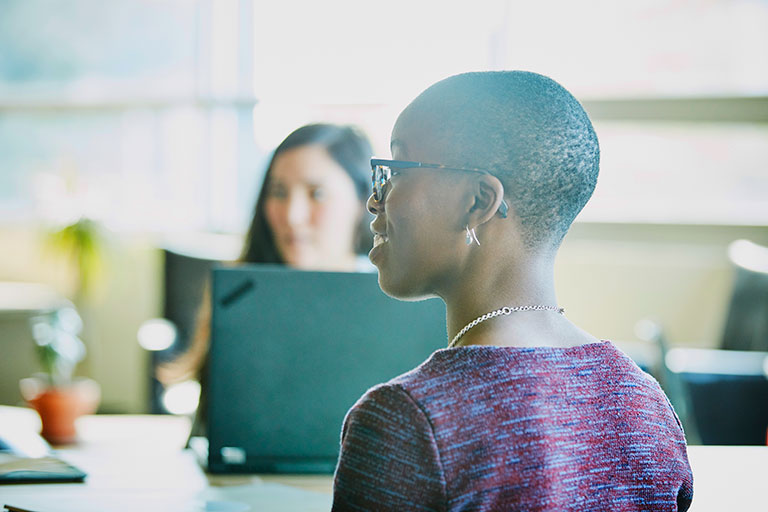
(160, 114)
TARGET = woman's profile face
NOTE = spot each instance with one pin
(312, 209)
(417, 230)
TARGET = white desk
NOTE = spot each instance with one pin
(137, 462)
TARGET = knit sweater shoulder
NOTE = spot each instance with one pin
(499, 428)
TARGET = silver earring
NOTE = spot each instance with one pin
(471, 236)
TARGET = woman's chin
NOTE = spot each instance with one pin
(300, 261)
(376, 255)
(402, 287)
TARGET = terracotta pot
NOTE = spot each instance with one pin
(59, 407)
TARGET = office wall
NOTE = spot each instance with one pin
(608, 277)
(128, 293)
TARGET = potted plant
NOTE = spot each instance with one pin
(82, 243)
(58, 396)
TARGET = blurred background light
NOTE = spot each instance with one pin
(749, 255)
(182, 398)
(157, 334)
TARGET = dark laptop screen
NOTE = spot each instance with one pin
(292, 351)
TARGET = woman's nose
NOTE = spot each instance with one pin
(373, 206)
(298, 209)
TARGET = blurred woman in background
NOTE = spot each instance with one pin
(310, 215)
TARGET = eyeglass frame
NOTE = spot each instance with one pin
(378, 188)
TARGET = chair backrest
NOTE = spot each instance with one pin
(728, 393)
(746, 325)
(184, 281)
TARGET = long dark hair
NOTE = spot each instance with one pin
(350, 148)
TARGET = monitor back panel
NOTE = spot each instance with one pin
(292, 351)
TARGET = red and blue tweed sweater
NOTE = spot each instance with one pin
(499, 428)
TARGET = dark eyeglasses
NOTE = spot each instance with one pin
(383, 170)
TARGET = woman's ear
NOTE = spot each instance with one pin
(487, 201)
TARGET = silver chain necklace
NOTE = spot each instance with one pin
(506, 310)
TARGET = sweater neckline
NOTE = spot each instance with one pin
(543, 349)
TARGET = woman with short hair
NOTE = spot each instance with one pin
(524, 410)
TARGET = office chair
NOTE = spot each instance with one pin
(727, 392)
(721, 396)
(187, 263)
(183, 283)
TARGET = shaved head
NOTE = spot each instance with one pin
(526, 129)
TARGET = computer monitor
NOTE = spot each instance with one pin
(292, 351)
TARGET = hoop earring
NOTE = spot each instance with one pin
(471, 236)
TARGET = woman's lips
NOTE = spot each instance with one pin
(379, 239)
(378, 244)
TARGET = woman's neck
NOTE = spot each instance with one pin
(485, 290)
(529, 282)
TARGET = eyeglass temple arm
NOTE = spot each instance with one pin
(403, 164)
(400, 164)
